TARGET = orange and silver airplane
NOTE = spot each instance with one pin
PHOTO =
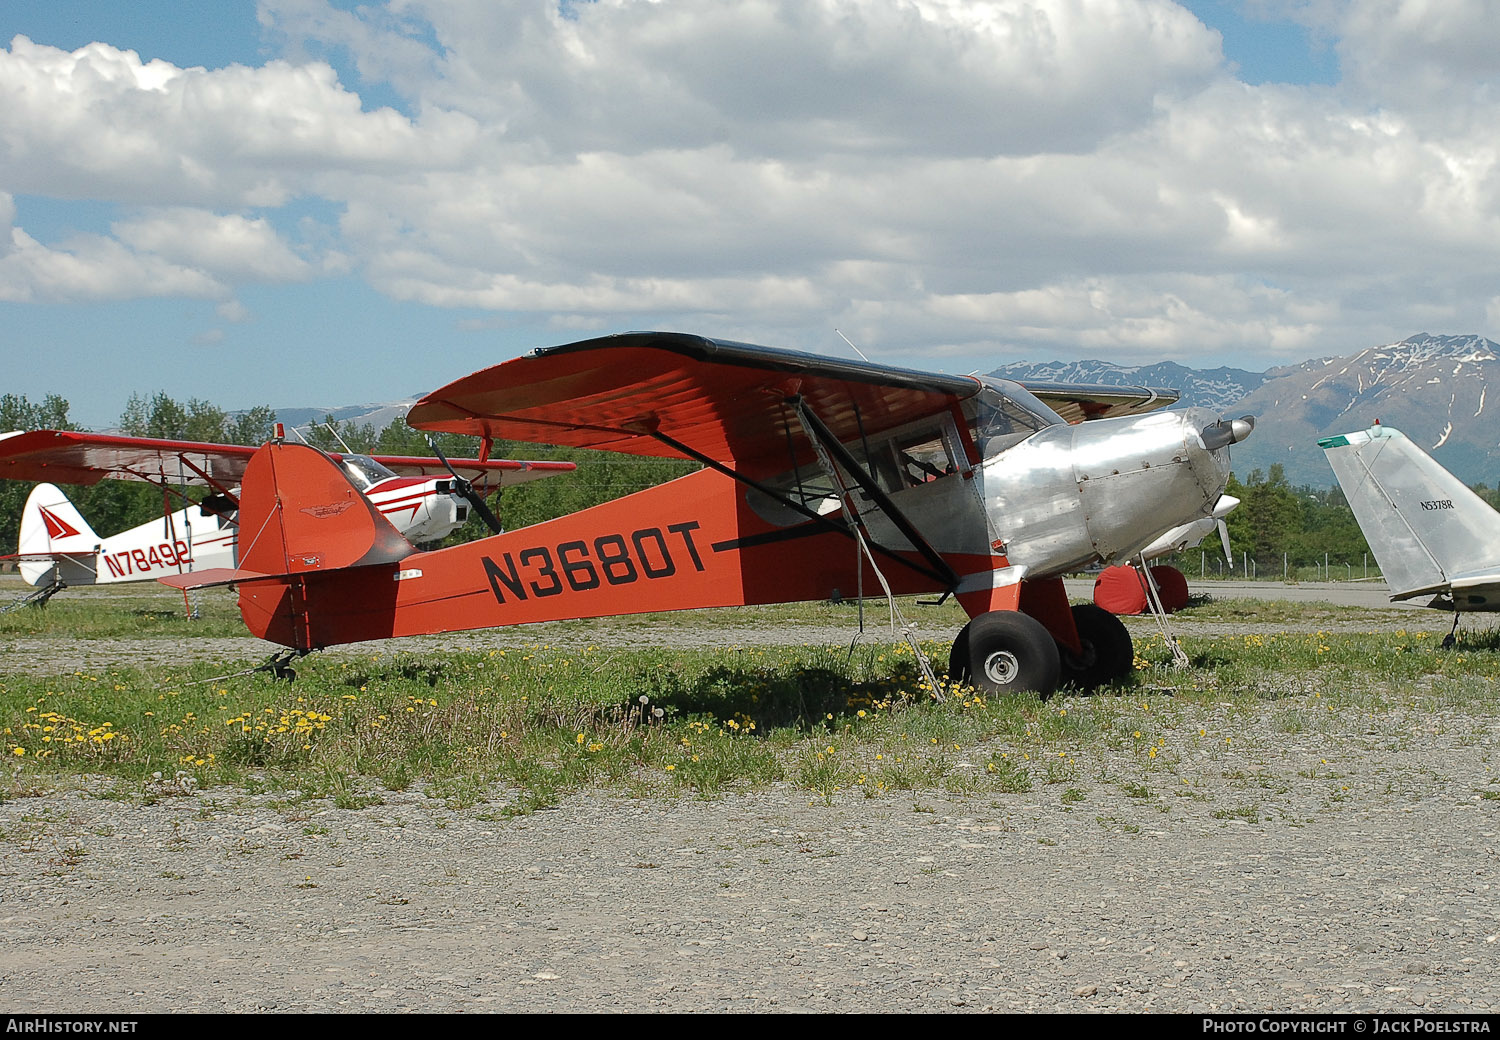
(820, 477)
(423, 498)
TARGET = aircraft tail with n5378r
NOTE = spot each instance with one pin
(1431, 535)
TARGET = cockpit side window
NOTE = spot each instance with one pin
(921, 456)
(905, 458)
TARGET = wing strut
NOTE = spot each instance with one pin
(947, 578)
(862, 542)
(861, 475)
(220, 488)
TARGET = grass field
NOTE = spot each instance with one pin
(522, 726)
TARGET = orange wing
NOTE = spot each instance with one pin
(725, 400)
(70, 457)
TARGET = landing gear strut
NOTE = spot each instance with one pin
(1451, 639)
(38, 598)
(280, 665)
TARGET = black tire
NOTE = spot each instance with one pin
(1108, 653)
(1005, 651)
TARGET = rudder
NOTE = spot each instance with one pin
(301, 517)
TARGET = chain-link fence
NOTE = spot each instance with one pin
(1203, 565)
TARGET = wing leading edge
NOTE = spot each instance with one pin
(1076, 402)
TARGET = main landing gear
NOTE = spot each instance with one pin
(1006, 651)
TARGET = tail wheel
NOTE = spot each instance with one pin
(1005, 651)
(1108, 653)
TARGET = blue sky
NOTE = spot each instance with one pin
(303, 203)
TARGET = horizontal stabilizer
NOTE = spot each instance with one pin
(215, 576)
(48, 557)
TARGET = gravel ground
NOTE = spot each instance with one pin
(1348, 866)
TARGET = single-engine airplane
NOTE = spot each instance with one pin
(58, 548)
(820, 476)
(1431, 535)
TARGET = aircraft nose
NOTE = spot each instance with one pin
(1224, 433)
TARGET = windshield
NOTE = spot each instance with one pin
(365, 471)
(1006, 413)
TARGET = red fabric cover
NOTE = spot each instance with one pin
(1120, 590)
(1171, 586)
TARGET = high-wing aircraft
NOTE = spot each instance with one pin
(1430, 534)
(58, 548)
(820, 476)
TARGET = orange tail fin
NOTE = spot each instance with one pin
(299, 515)
(300, 512)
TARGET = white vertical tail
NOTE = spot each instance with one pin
(1428, 531)
(52, 527)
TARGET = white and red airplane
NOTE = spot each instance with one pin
(820, 477)
(58, 548)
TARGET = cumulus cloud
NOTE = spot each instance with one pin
(168, 252)
(941, 177)
(234, 247)
(100, 123)
(1435, 54)
(92, 267)
(788, 78)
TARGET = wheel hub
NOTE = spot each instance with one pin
(1087, 659)
(1001, 667)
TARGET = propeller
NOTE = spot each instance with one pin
(1221, 510)
(466, 489)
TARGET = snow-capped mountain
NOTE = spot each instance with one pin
(1211, 388)
(1435, 389)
